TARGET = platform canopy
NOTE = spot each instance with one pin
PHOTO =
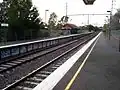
(89, 2)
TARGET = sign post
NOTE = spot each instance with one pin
(3, 32)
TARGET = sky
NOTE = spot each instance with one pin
(77, 7)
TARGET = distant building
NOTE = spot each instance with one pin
(70, 29)
(69, 26)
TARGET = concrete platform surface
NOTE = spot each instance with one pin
(100, 72)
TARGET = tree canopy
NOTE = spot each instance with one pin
(52, 21)
(23, 19)
(115, 20)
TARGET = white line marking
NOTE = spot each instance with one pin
(80, 67)
(50, 82)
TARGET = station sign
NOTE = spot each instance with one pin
(89, 2)
(4, 25)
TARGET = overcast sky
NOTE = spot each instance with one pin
(76, 7)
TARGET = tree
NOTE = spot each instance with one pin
(23, 19)
(61, 22)
(93, 28)
(64, 19)
(105, 27)
(90, 27)
(52, 21)
(3, 21)
(59, 25)
(115, 21)
(43, 25)
(3, 12)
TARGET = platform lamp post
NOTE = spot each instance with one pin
(109, 33)
(119, 37)
(46, 15)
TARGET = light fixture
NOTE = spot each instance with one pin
(89, 2)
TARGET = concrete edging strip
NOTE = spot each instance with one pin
(50, 82)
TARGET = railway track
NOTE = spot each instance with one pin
(8, 65)
(31, 80)
(17, 62)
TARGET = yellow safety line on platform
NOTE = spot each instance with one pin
(79, 69)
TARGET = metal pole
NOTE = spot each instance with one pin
(119, 43)
(110, 27)
(88, 19)
(88, 23)
(46, 16)
(66, 9)
(110, 19)
(66, 19)
(107, 27)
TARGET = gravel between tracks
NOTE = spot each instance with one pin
(9, 77)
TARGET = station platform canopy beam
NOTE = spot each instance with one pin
(89, 2)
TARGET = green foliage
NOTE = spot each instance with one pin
(59, 25)
(64, 19)
(93, 28)
(52, 21)
(61, 22)
(115, 21)
(105, 27)
(23, 19)
(90, 28)
(44, 33)
(43, 25)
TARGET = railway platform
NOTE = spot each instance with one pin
(100, 72)
(97, 69)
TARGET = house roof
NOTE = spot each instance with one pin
(69, 26)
